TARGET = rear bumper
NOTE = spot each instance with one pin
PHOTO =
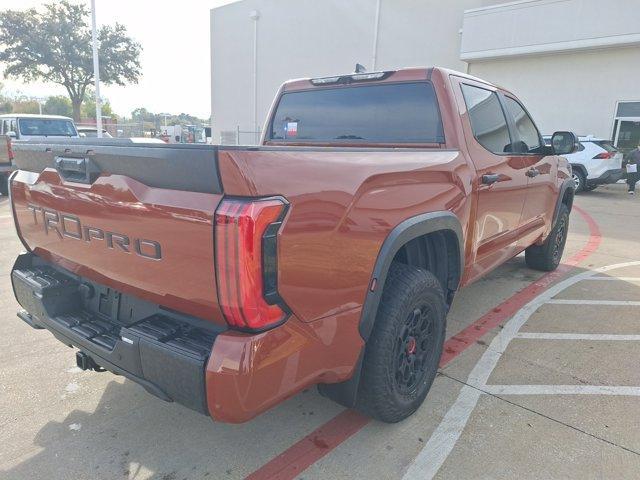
(164, 353)
(610, 176)
(228, 375)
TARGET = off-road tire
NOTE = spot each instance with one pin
(546, 257)
(382, 392)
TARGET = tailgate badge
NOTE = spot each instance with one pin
(69, 226)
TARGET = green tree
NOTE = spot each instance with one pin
(54, 45)
(6, 105)
(58, 105)
(25, 104)
(89, 107)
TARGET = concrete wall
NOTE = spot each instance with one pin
(575, 91)
(548, 26)
(311, 38)
(569, 60)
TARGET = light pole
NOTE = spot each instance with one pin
(96, 68)
(376, 28)
(255, 16)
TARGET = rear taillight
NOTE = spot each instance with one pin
(9, 148)
(603, 156)
(246, 262)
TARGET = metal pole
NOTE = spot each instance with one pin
(255, 15)
(374, 56)
(96, 68)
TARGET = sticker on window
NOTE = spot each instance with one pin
(291, 129)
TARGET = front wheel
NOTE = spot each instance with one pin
(402, 355)
(579, 180)
(546, 257)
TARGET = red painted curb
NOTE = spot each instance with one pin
(304, 453)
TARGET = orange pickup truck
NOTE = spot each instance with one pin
(229, 278)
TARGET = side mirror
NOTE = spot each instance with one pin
(564, 143)
(11, 134)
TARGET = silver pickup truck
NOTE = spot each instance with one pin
(23, 126)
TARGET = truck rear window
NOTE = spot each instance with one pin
(46, 127)
(391, 113)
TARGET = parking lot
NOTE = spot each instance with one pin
(539, 379)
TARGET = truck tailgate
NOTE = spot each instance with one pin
(136, 218)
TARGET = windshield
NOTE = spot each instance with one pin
(393, 113)
(46, 127)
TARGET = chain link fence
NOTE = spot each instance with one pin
(118, 130)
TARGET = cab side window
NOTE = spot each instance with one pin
(487, 119)
(529, 135)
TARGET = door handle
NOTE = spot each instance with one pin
(532, 172)
(490, 178)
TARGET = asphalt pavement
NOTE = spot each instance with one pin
(548, 387)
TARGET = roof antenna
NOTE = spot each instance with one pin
(360, 68)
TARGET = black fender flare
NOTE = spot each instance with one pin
(404, 232)
(568, 184)
(345, 392)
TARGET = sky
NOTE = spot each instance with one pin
(175, 58)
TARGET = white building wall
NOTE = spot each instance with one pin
(575, 91)
(312, 38)
(570, 61)
(549, 26)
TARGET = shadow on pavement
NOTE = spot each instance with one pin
(131, 434)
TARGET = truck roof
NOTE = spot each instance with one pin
(33, 115)
(401, 74)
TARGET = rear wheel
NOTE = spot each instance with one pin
(403, 352)
(4, 185)
(579, 180)
(546, 257)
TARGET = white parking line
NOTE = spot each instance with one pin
(562, 390)
(445, 436)
(576, 336)
(614, 279)
(622, 303)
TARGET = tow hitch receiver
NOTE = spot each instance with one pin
(85, 362)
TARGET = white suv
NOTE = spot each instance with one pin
(597, 162)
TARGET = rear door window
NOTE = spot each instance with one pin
(487, 119)
(384, 113)
(524, 125)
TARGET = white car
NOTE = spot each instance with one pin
(597, 162)
(91, 132)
